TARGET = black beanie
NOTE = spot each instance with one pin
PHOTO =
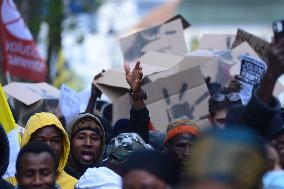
(159, 164)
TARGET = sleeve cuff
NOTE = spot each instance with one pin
(274, 105)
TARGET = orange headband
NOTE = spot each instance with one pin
(180, 130)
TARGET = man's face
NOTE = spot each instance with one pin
(139, 179)
(37, 171)
(52, 137)
(86, 147)
(278, 143)
(218, 120)
(179, 146)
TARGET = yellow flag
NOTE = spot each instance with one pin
(6, 116)
(14, 137)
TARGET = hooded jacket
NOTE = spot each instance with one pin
(4, 159)
(41, 120)
(71, 167)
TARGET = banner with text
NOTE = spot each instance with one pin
(20, 53)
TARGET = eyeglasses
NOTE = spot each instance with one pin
(220, 97)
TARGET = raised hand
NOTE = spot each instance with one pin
(134, 78)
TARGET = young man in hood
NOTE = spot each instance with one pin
(45, 127)
(4, 159)
(87, 138)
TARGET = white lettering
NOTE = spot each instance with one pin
(34, 65)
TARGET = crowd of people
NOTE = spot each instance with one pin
(244, 149)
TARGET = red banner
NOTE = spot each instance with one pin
(21, 56)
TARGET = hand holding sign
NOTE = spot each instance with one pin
(252, 71)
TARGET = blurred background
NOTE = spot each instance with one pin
(79, 38)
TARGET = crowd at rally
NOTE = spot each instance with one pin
(244, 148)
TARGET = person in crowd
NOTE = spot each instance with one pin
(272, 158)
(226, 159)
(274, 177)
(109, 175)
(87, 138)
(150, 169)
(263, 112)
(45, 127)
(36, 167)
(180, 136)
(4, 159)
(221, 99)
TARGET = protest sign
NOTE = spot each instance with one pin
(113, 83)
(33, 97)
(167, 38)
(225, 64)
(181, 94)
(216, 41)
(252, 71)
(69, 103)
(260, 46)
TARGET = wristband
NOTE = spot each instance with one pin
(140, 95)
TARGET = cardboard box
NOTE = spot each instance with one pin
(216, 41)
(242, 49)
(174, 91)
(113, 83)
(31, 98)
(181, 94)
(224, 64)
(174, 80)
(167, 37)
(260, 46)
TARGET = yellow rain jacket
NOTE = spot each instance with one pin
(38, 121)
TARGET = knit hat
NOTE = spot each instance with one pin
(230, 156)
(74, 127)
(159, 164)
(182, 126)
(121, 146)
